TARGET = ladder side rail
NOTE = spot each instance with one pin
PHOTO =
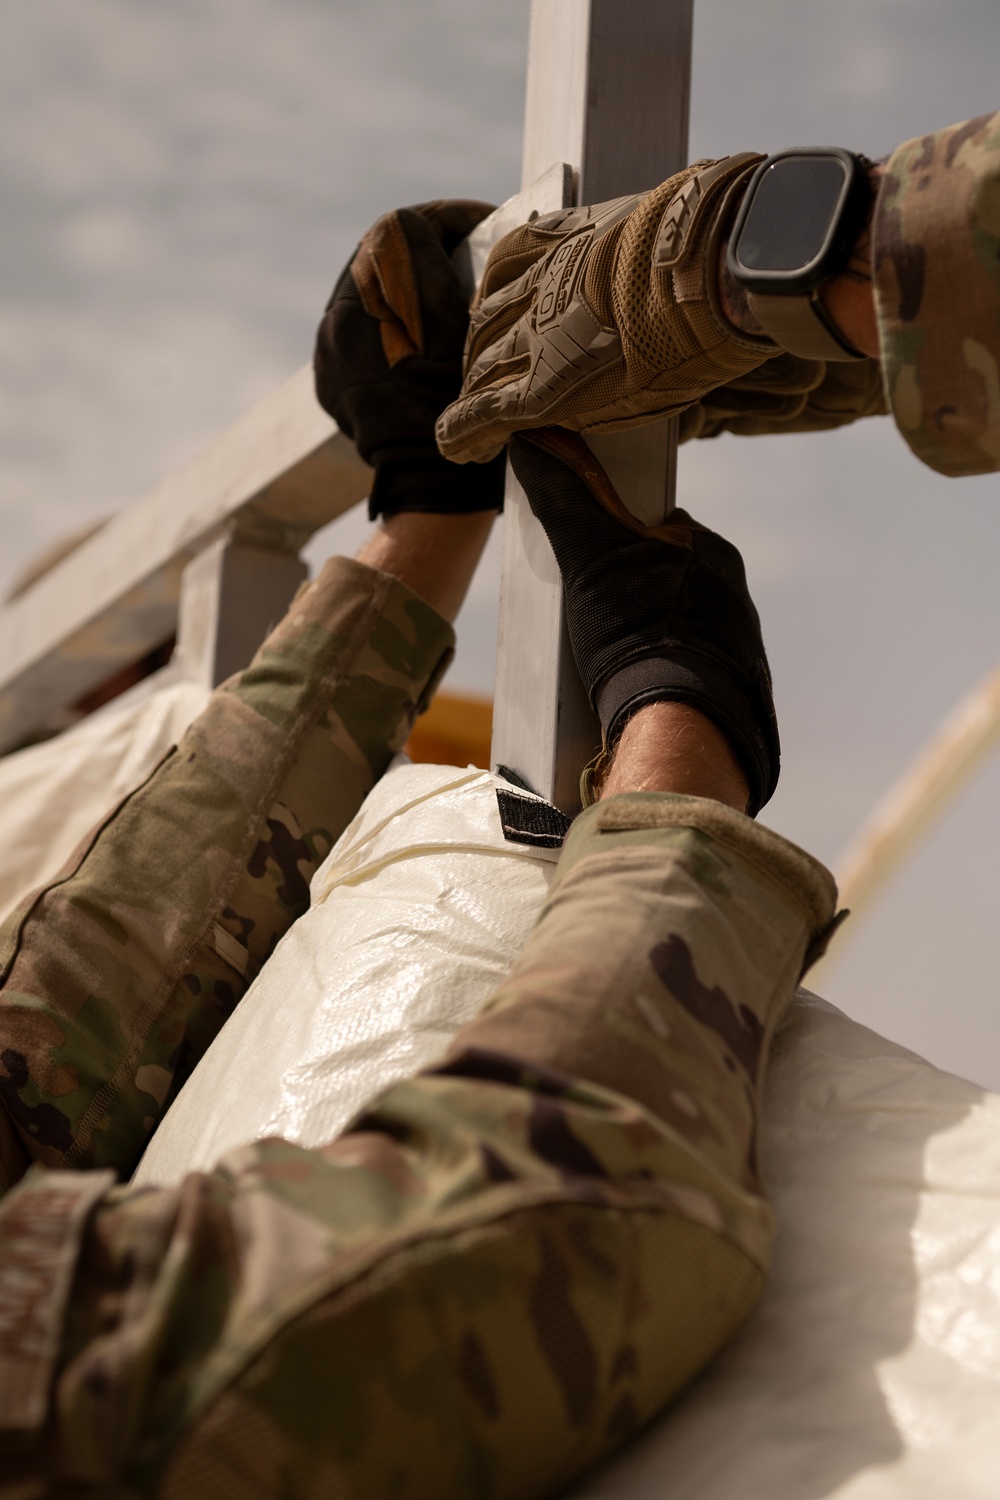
(268, 483)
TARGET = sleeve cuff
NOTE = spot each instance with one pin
(937, 294)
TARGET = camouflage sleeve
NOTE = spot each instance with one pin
(116, 976)
(498, 1273)
(936, 242)
(937, 292)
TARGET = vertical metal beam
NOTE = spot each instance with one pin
(232, 594)
(608, 91)
(608, 88)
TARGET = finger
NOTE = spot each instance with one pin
(513, 256)
(508, 357)
(492, 318)
(467, 431)
(384, 275)
(785, 374)
(452, 219)
(574, 454)
(443, 301)
(405, 279)
(768, 405)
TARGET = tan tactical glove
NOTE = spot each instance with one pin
(789, 394)
(599, 318)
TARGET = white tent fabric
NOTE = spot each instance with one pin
(871, 1368)
(416, 915)
(52, 794)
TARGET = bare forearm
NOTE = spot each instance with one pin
(435, 555)
(669, 747)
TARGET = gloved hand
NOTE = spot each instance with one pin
(789, 394)
(389, 359)
(653, 612)
(596, 318)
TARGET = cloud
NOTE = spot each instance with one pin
(865, 74)
(179, 187)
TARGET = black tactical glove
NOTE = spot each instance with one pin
(388, 359)
(653, 612)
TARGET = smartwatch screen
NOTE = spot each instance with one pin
(792, 213)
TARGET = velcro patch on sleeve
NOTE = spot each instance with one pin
(529, 820)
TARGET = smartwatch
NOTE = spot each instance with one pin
(797, 225)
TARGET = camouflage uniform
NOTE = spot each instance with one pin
(936, 253)
(500, 1270)
(510, 1261)
(937, 292)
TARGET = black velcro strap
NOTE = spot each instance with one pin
(528, 820)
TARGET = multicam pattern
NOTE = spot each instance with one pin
(118, 975)
(937, 284)
(509, 1262)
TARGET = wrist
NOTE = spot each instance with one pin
(426, 482)
(849, 298)
(671, 747)
(845, 296)
(740, 710)
(734, 299)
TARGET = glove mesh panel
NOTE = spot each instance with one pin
(598, 279)
(510, 257)
(639, 308)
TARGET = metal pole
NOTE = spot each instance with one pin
(608, 87)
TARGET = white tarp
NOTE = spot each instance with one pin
(52, 794)
(417, 913)
(870, 1370)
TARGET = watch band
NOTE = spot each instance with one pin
(802, 326)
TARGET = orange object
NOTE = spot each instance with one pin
(455, 731)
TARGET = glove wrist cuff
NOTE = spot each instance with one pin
(702, 682)
(688, 246)
(427, 482)
(762, 343)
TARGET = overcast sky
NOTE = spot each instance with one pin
(179, 185)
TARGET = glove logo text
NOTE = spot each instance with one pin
(556, 287)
